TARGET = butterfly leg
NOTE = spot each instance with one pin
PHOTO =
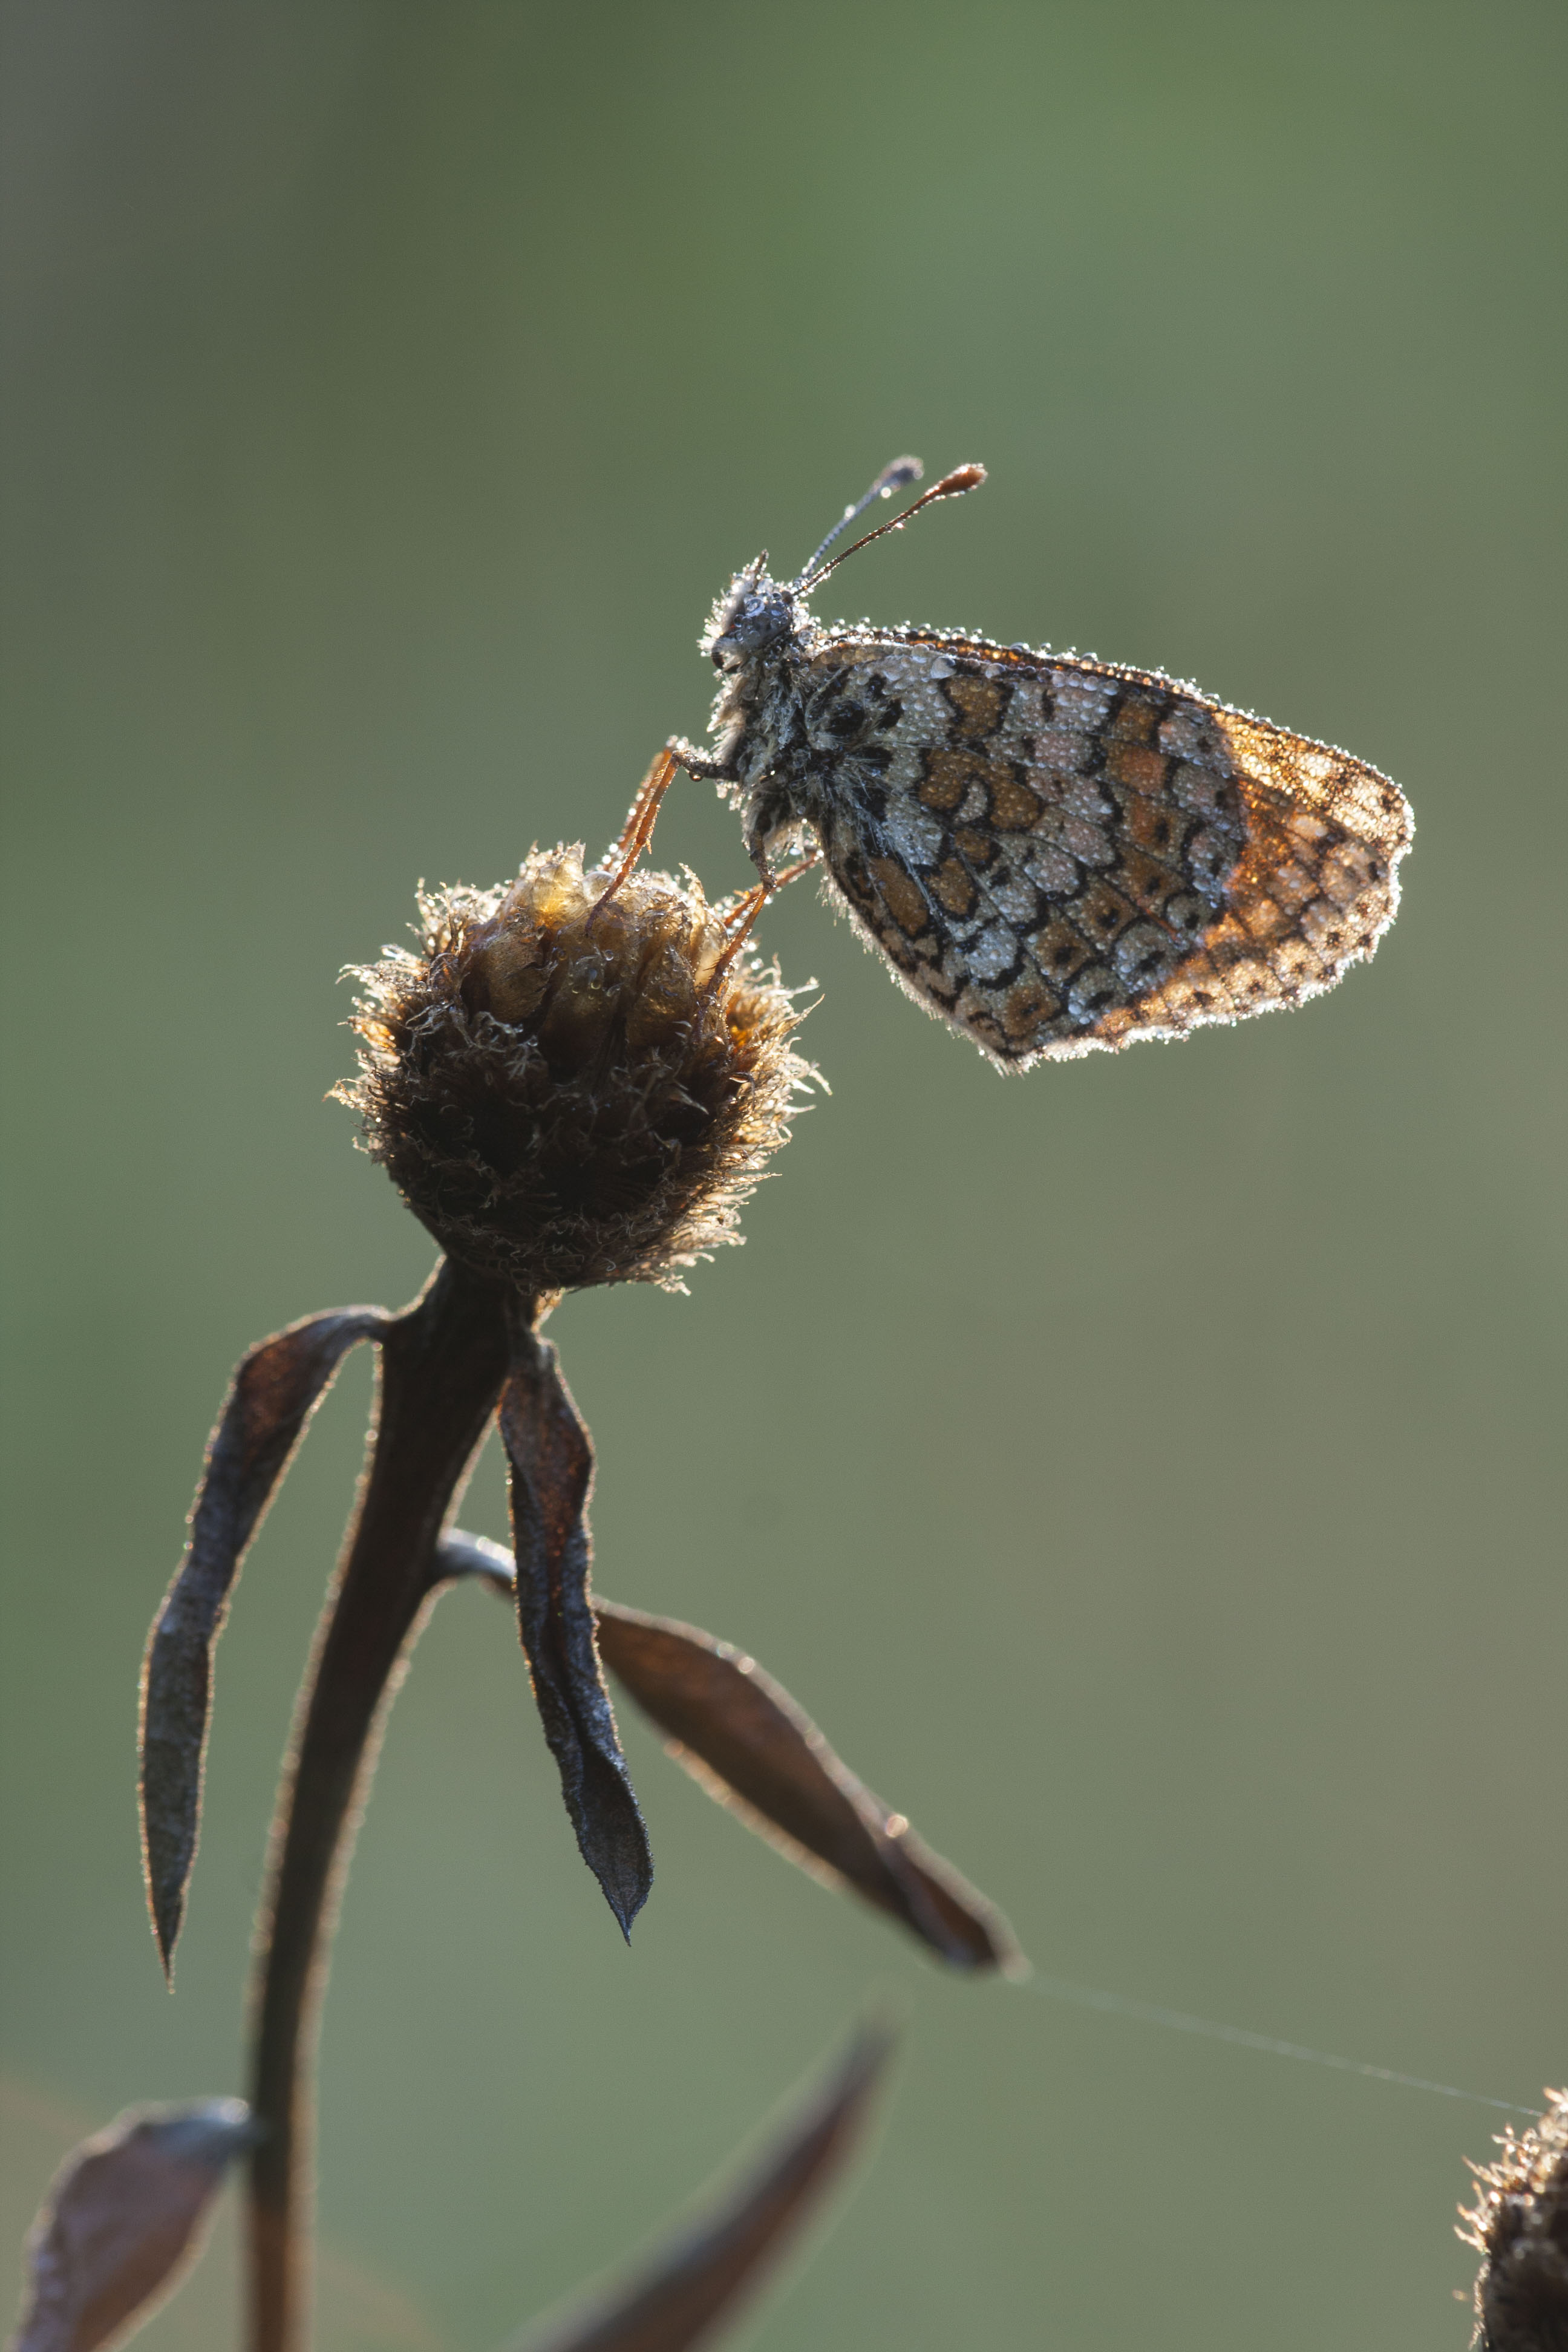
(770, 812)
(750, 905)
(747, 908)
(701, 764)
(792, 873)
(639, 828)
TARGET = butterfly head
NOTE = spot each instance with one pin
(753, 614)
(757, 613)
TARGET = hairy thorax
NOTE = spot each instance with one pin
(760, 739)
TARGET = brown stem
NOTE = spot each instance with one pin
(442, 1367)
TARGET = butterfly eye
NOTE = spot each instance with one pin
(760, 621)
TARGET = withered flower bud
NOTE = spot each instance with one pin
(563, 1101)
(1519, 2224)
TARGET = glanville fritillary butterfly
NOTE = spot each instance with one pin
(1055, 855)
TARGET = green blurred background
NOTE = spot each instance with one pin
(1147, 1472)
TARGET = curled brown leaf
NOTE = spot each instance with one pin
(755, 1748)
(550, 1456)
(698, 2275)
(276, 1389)
(119, 2218)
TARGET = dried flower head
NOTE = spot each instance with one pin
(1520, 2224)
(571, 1089)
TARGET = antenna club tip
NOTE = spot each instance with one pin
(952, 486)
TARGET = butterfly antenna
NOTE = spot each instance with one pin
(952, 486)
(896, 476)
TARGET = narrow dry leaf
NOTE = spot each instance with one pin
(699, 2276)
(120, 2216)
(276, 1389)
(550, 1456)
(751, 1746)
(747, 1741)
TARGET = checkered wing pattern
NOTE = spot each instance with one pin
(1061, 855)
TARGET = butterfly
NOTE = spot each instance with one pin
(1055, 855)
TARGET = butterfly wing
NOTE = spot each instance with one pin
(1059, 855)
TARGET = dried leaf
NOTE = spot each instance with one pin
(749, 1744)
(121, 2214)
(699, 2276)
(552, 1460)
(276, 1389)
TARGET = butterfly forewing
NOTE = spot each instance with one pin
(1060, 855)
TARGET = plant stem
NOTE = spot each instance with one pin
(441, 1370)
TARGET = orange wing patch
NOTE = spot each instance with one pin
(901, 895)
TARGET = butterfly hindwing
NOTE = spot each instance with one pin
(1058, 855)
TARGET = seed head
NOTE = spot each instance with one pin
(1519, 2224)
(564, 1102)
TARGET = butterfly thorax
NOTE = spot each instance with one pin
(761, 638)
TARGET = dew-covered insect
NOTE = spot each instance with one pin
(1055, 854)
